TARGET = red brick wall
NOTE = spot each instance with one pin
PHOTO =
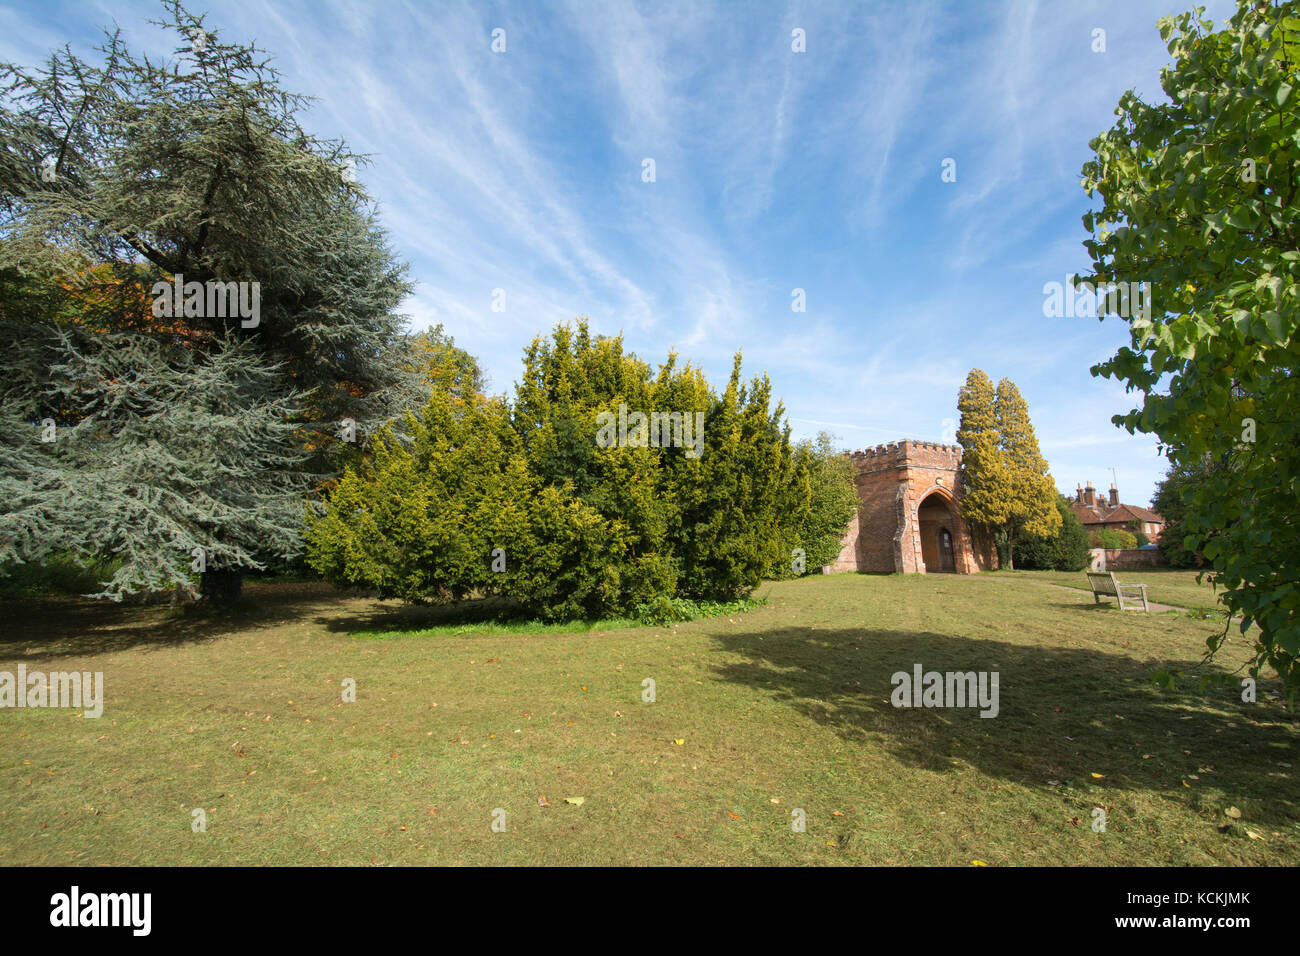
(1117, 559)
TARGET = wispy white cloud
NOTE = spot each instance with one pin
(775, 170)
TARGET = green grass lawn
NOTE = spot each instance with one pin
(1164, 585)
(782, 708)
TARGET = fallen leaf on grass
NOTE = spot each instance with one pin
(543, 802)
(576, 801)
(1099, 776)
(978, 863)
(679, 741)
(734, 816)
(1233, 812)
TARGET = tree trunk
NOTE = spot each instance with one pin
(221, 587)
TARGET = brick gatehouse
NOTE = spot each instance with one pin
(907, 521)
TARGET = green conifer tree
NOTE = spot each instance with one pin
(122, 177)
(1031, 492)
(985, 498)
(1006, 487)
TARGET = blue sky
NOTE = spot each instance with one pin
(774, 170)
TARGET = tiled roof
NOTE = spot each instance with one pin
(1085, 514)
(1134, 513)
(1103, 514)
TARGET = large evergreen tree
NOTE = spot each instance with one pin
(170, 459)
(121, 174)
(1031, 496)
(1006, 488)
(983, 474)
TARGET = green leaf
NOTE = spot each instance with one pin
(1241, 218)
(1275, 325)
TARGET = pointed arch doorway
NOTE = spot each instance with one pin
(937, 521)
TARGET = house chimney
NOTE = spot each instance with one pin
(1078, 494)
(1114, 496)
(1089, 495)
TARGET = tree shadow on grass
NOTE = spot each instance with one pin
(1136, 735)
(42, 628)
(394, 619)
(397, 617)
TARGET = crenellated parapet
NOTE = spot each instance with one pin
(909, 451)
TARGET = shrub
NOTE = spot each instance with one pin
(663, 611)
(832, 497)
(59, 573)
(1115, 538)
(1066, 550)
(586, 528)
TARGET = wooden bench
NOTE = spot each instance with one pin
(1104, 583)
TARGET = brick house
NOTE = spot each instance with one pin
(907, 521)
(1097, 514)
